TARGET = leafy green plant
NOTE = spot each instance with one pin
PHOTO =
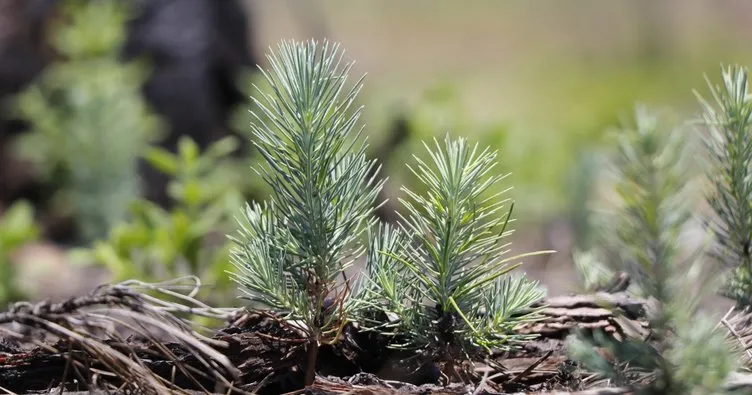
(17, 227)
(290, 252)
(729, 146)
(685, 354)
(157, 243)
(89, 123)
(443, 274)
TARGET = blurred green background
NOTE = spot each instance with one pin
(541, 81)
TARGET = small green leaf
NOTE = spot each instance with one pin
(17, 225)
(192, 194)
(189, 151)
(221, 148)
(162, 160)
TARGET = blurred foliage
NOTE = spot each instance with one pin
(88, 120)
(569, 121)
(543, 122)
(582, 182)
(642, 236)
(439, 111)
(251, 82)
(158, 244)
(728, 143)
(553, 164)
(17, 227)
(91, 29)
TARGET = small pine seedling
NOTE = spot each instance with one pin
(441, 278)
(729, 147)
(685, 354)
(291, 252)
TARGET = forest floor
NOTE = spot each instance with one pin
(261, 355)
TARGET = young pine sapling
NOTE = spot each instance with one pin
(442, 277)
(292, 252)
(685, 354)
(728, 143)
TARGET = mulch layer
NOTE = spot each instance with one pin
(360, 364)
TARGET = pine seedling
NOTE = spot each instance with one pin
(685, 354)
(728, 143)
(291, 251)
(442, 278)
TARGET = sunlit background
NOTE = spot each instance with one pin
(88, 197)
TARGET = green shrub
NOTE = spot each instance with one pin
(89, 123)
(156, 244)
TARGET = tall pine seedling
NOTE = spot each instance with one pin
(291, 252)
